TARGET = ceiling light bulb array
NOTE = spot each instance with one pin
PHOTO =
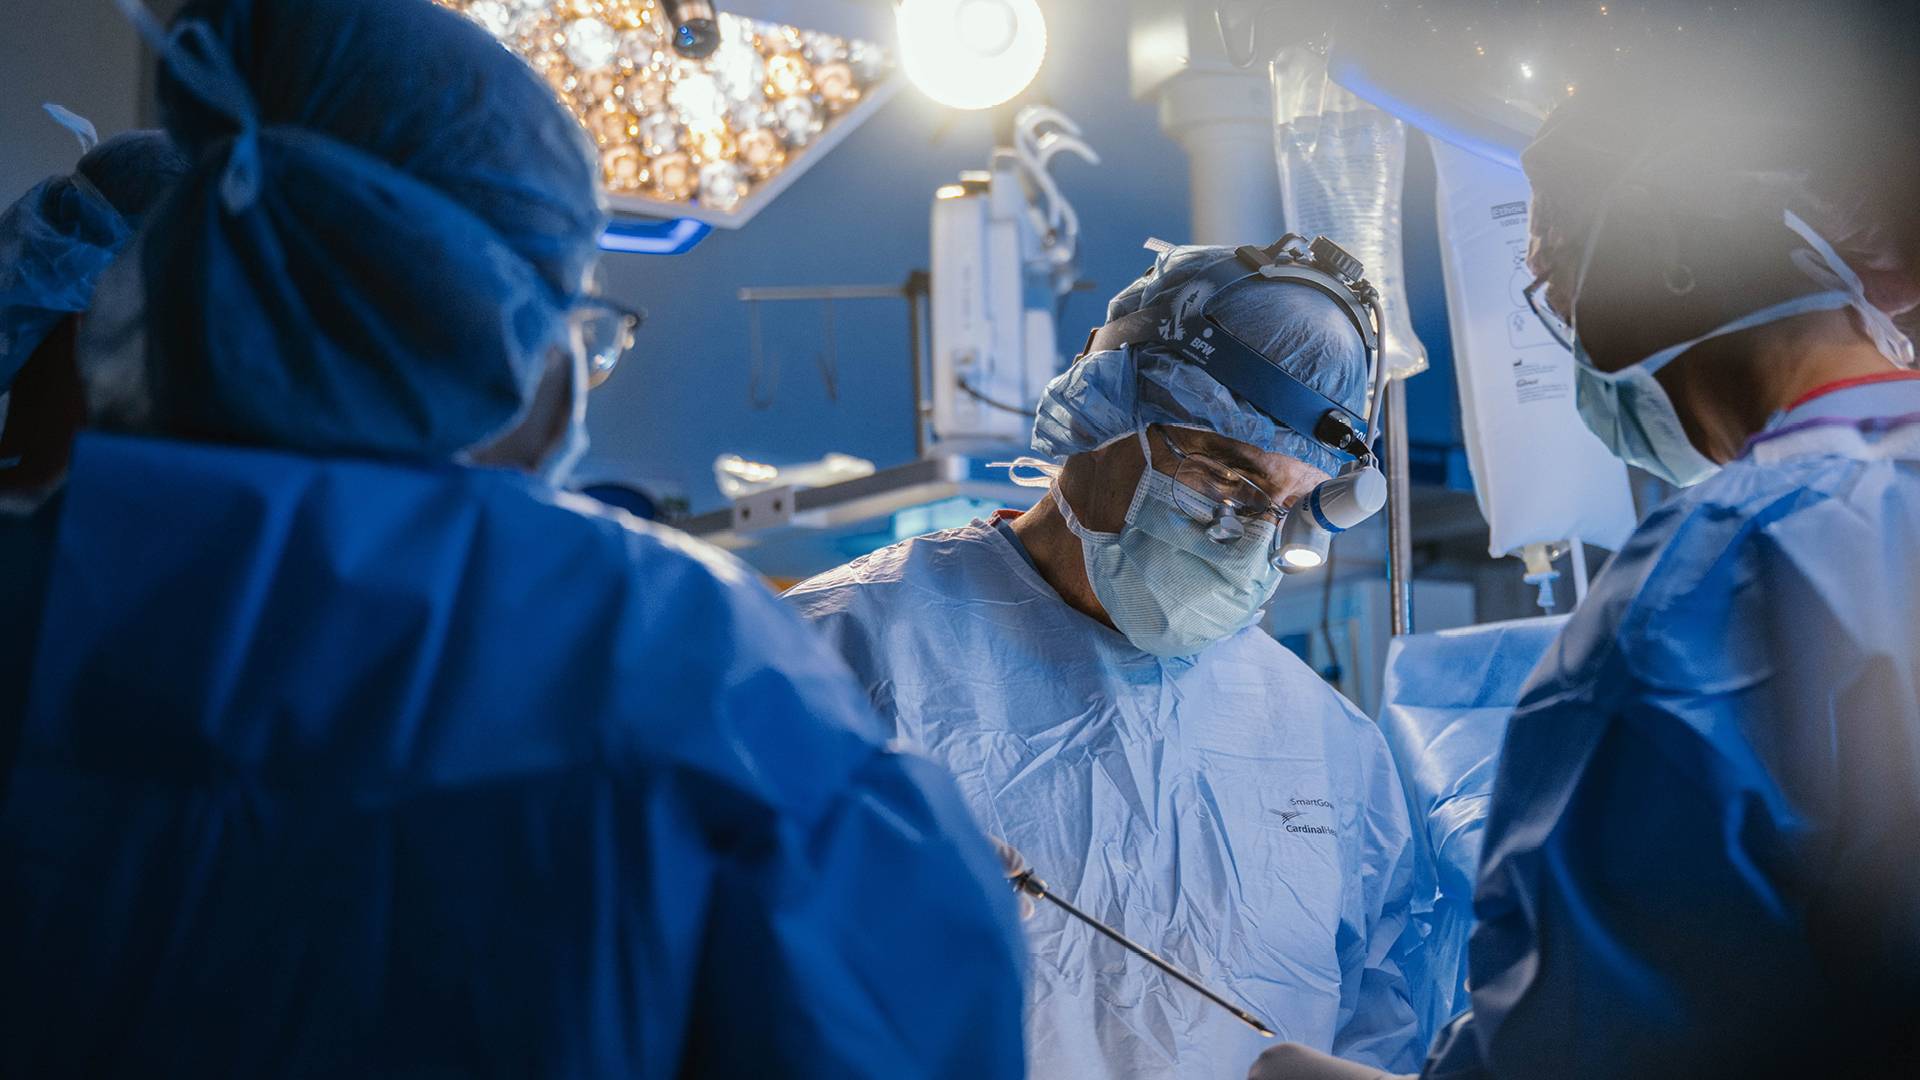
(674, 129)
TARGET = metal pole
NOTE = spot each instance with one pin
(917, 287)
(1399, 511)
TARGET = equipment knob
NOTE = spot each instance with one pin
(1334, 258)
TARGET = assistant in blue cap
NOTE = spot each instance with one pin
(1701, 854)
(1092, 672)
(349, 745)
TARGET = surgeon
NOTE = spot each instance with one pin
(1093, 674)
(347, 744)
(55, 243)
(1703, 851)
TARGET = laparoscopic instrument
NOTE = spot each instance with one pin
(1027, 882)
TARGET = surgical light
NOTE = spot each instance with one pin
(695, 113)
(1304, 558)
(1341, 503)
(971, 54)
(1303, 544)
(986, 27)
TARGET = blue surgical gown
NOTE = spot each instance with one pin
(347, 769)
(1232, 813)
(1703, 853)
(1445, 703)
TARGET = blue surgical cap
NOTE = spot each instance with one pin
(58, 239)
(388, 219)
(1109, 395)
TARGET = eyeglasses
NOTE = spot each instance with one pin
(1556, 328)
(1218, 497)
(607, 333)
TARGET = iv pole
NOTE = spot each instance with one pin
(1399, 511)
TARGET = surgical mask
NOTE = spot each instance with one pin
(1168, 587)
(1630, 411)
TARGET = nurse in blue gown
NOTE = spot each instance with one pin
(342, 742)
(1702, 857)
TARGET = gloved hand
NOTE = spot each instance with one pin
(1291, 1061)
(1015, 865)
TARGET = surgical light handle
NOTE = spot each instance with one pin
(1026, 882)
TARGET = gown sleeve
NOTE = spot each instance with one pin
(873, 946)
(1699, 859)
(866, 930)
(1383, 1028)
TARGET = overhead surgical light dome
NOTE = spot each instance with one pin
(696, 115)
(971, 54)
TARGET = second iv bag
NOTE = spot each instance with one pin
(1341, 164)
(1540, 476)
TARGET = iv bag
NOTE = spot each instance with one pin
(1341, 163)
(1540, 476)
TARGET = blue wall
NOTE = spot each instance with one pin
(78, 53)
